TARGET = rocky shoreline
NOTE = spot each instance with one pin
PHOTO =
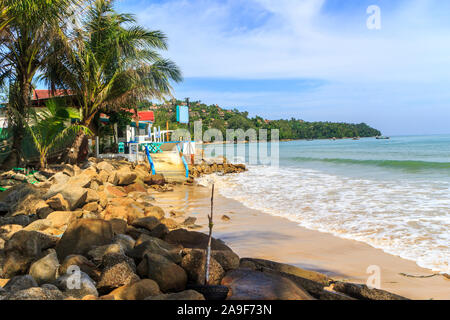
(93, 233)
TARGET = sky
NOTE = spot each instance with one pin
(314, 60)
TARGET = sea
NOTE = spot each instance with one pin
(391, 194)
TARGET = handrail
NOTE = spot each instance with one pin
(150, 160)
(184, 161)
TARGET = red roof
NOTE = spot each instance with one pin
(143, 115)
(47, 94)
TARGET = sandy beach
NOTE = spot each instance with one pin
(252, 233)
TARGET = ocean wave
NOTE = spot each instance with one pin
(409, 219)
(408, 165)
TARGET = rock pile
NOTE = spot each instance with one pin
(93, 232)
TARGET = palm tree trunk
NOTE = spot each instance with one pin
(79, 150)
(20, 103)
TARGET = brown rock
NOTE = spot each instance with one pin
(92, 196)
(157, 179)
(7, 231)
(176, 213)
(226, 218)
(154, 211)
(58, 203)
(227, 259)
(83, 263)
(60, 219)
(194, 240)
(119, 270)
(148, 223)
(194, 264)
(135, 187)
(125, 176)
(114, 192)
(42, 209)
(81, 235)
(119, 226)
(170, 223)
(168, 275)
(137, 291)
(245, 284)
(127, 213)
(92, 207)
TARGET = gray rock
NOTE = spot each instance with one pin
(59, 178)
(18, 283)
(99, 252)
(20, 219)
(36, 294)
(77, 285)
(45, 270)
(118, 270)
(125, 241)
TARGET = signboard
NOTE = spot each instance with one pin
(183, 114)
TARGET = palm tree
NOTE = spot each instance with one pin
(27, 31)
(111, 63)
(51, 126)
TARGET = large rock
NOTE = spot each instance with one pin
(227, 259)
(45, 270)
(245, 284)
(194, 264)
(20, 219)
(168, 275)
(59, 178)
(81, 235)
(194, 240)
(75, 196)
(125, 241)
(36, 294)
(156, 179)
(18, 283)
(154, 211)
(262, 265)
(96, 254)
(82, 263)
(137, 291)
(42, 209)
(125, 176)
(148, 223)
(128, 213)
(146, 244)
(118, 270)
(119, 226)
(23, 248)
(7, 231)
(105, 166)
(58, 203)
(61, 219)
(188, 295)
(77, 285)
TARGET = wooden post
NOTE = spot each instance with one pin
(208, 250)
(167, 132)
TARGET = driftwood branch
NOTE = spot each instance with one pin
(208, 250)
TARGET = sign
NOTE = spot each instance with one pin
(183, 114)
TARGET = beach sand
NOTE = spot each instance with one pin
(255, 234)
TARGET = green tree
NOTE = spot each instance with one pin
(52, 125)
(110, 63)
(28, 29)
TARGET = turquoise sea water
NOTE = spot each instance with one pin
(392, 194)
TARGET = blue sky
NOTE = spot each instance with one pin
(312, 59)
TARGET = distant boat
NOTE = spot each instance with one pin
(382, 138)
(356, 138)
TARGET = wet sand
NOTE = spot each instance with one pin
(252, 233)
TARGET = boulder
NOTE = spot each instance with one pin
(58, 203)
(227, 259)
(21, 219)
(23, 248)
(154, 211)
(118, 270)
(59, 178)
(245, 284)
(91, 207)
(176, 213)
(146, 244)
(148, 223)
(82, 263)
(45, 270)
(135, 187)
(128, 213)
(42, 209)
(168, 275)
(82, 234)
(38, 225)
(97, 254)
(261, 265)
(156, 179)
(92, 196)
(36, 294)
(61, 219)
(194, 240)
(188, 295)
(18, 283)
(105, 166)
(75, 196)
(137, 291)
(170, 223)
(7, 231)
(125, 241)
(77, 285)
(190, 221)
(194, 264)
(125, 176)
(119, 226)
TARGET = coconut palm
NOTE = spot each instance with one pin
(52, 125)
(27, 31)
(111, 63)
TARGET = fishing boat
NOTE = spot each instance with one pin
(382, 138)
